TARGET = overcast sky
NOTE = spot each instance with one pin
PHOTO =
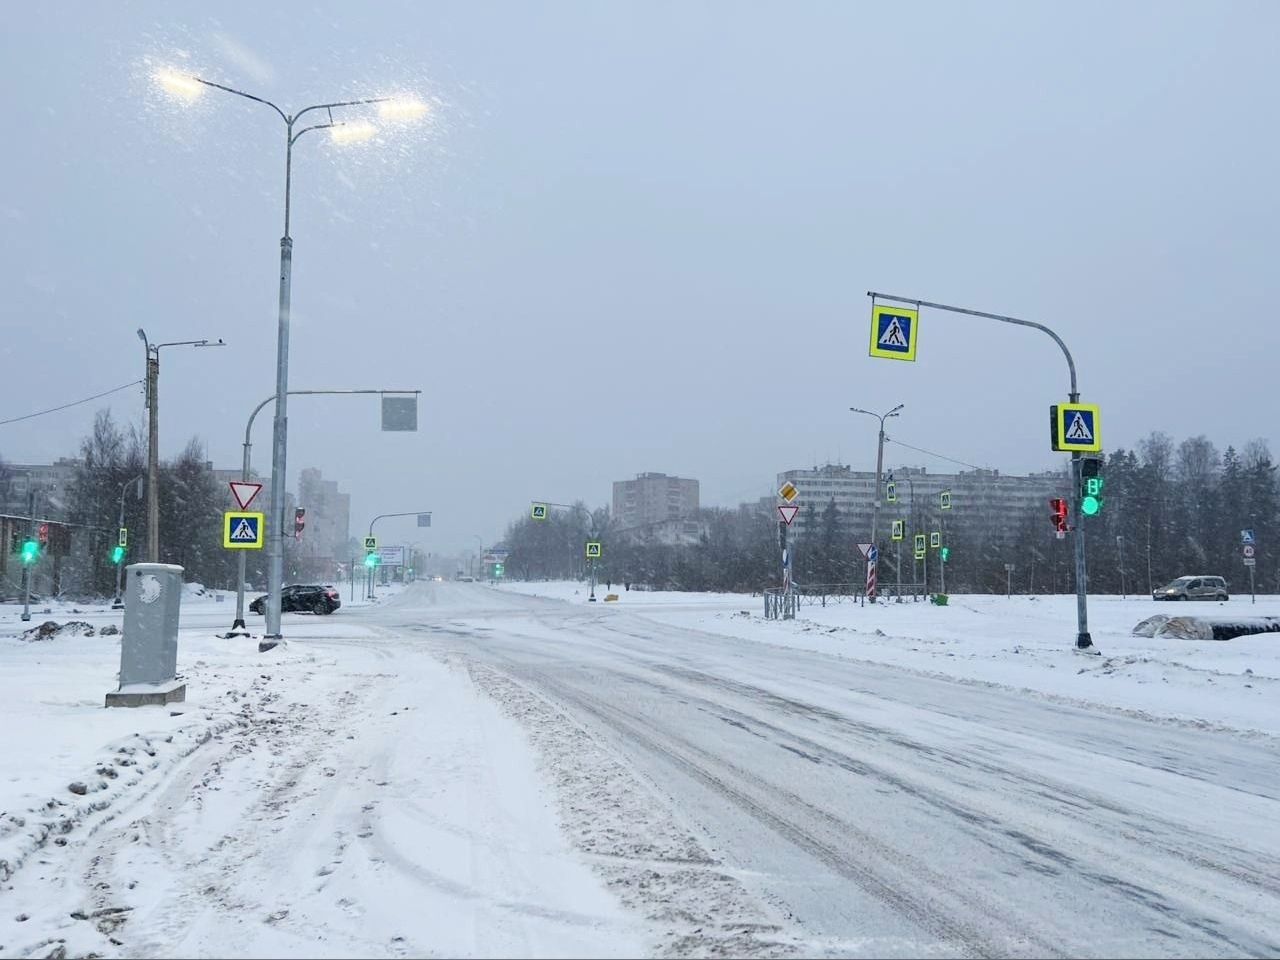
(639, 237)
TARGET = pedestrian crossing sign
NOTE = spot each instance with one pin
(242, 531)
(1075, 427)
(893, 332)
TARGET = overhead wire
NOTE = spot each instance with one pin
(73, 403)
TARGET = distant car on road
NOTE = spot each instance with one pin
(302, 598)
(1192, 588)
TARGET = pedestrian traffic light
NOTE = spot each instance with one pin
(371, 558)
(30, 551)
(1090, 486)
(42, 533)
(299, 521)
(1058, 515)
(117, 553)
(944, 552)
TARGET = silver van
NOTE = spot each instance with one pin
(1192, 588)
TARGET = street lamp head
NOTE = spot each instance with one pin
(401, 109)
(181, 85)
(142, 335)
(353, 131)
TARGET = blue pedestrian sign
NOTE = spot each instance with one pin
(893, 332)
(242, 531)
(1075, 427)
(1246, 536)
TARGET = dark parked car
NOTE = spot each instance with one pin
(302, 598)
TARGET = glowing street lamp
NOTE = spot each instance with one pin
(189, 87)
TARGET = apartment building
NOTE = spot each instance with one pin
(978, 499)
(657, 507)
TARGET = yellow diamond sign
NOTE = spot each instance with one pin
(788, 491)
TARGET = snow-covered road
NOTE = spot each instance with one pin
(464, 770)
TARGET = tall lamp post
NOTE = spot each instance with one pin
(479, 570)
(389, 108)
(153, 410)
(875, 507)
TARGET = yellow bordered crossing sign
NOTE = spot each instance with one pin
(242, 531)
(919, 546)
(539, 511)
(897, 530)
(893, 332)
(370, 544)
(1075, 427)
(593, 548)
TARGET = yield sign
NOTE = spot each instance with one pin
(865, 550)
(244, 492)
(788, 512)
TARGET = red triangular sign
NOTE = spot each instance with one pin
(788, 512)
(244, 492)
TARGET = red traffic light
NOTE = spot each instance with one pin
(1059, 514)
(42, 534)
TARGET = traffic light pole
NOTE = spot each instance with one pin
(237, 627)
(26, 567)
(381, 516)
(1083, 640)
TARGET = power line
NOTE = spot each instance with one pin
(73, 403)
(930, 453)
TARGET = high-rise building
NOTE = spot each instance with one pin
(656, 506)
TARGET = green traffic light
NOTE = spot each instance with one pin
(370, 559)
(117, 554)
(30, 551)
(1089, 506)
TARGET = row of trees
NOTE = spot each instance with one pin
(191, 504)
(1169, 508)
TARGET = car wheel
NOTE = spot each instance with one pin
(320, 608)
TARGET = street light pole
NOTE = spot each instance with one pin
(875, 507)
(188, 86)
(153, 455)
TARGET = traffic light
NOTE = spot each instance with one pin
(1090, 486)
(371, 558)
(497, 570)
(299, 521)
(30, 551)
(1058, 506)
(117, 553)
(42, 534)
(944, 552)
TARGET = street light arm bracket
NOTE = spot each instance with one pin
(248, 96)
